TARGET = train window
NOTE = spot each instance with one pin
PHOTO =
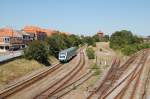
(62, 56)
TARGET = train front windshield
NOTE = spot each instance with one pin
(62, 56)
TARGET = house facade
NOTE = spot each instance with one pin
(100, 34)
(147, 39)
(35, 32)
(10, 40)
(17, 39)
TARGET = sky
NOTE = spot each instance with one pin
(78, 16)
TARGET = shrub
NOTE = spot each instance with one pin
(131, 49)
(90, 53)
(38, 51)
(95, 67)
(97, 72)
(128, 50)
(120, 39)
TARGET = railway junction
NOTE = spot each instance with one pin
(119, 80)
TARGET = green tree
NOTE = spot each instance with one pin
(106, 38)
(96, 38)
(128, 49)
(38, 51)
(136, 40)
(75, 40)
(120, 39)
(89, 40)
(90, 53)
(55, 43)
(59, 41)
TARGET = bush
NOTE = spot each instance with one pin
(90, 53)
(128, 50)
(38, 51)
(95, 67)
(121, 39)
(97, 72)
(131, 49)
(94, 45)
(89, 40)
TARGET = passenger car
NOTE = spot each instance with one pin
(67, 54)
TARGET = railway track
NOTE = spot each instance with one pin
(146, 85)
(134, 79)
(133, 76)
(112, 76)
(66, 89)
(115, 64)
(63, 81)
(27, 82)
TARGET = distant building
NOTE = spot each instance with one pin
(26, 37)
(17, 39)
(147, 39)
(36, 32)
(10, 39)
(100, 34)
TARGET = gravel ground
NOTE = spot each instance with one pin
(78, 93)
(138, 91)
(104, 59)
(33, 90)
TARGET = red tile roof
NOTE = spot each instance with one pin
(35, 29)
(6, 32)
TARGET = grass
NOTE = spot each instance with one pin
(96, 70)
(17, 68)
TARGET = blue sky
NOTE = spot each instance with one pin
(78, 16)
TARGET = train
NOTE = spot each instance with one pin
(67, 54)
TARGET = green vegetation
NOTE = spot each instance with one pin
(89, 40)
(122, 38)
(38, 51)
(59, 41)
(131, 49)
(96, 70)
(103, 39)
(126, 42)
(90, 53)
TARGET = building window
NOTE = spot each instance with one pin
(6, 40)
(6, 47)
(1, 47)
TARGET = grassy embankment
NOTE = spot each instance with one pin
(18, 68)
